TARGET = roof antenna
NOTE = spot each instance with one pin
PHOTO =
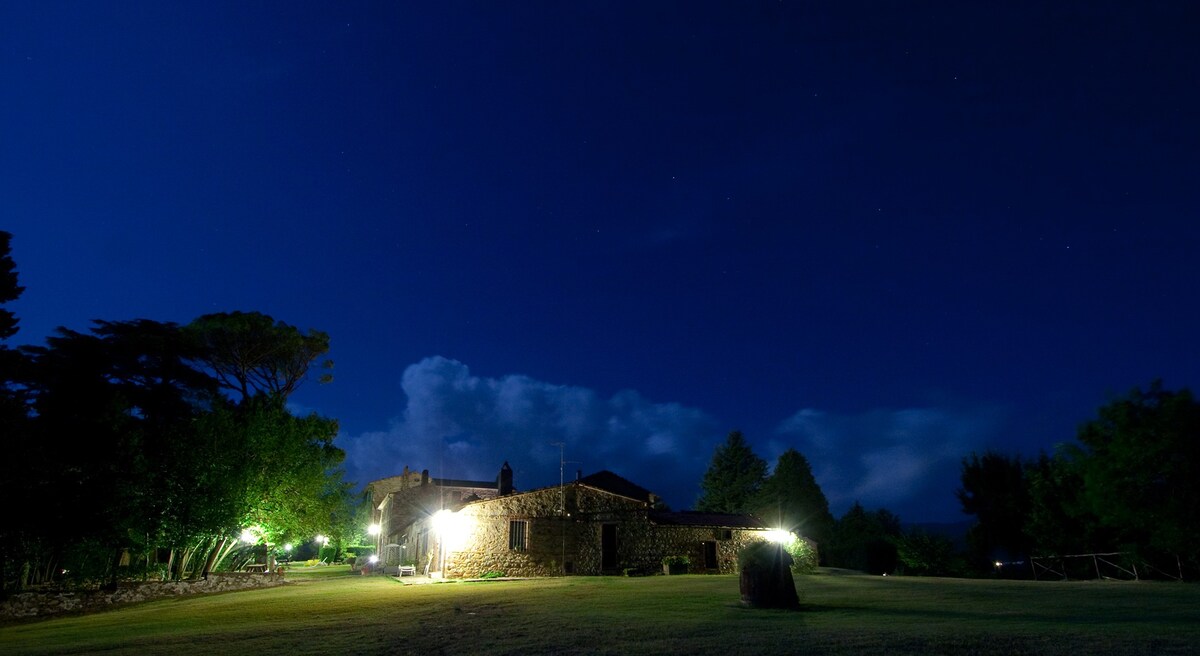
(562, 505)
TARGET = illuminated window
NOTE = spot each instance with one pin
(518, 535)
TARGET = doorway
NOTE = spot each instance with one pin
(608, 546)
(710, 555)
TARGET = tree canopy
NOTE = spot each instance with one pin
(1139, 460)
(734, 477)
(1130, 483)
(791, 499)
(160, 457)
(995, 492)
(250, 353)
(147, 447)
(9, 289)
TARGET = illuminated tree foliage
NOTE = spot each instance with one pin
(127, 458)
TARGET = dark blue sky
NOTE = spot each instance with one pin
(884, 233)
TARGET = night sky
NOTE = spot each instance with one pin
(884, 233)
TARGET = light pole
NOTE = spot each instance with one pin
(324, 542)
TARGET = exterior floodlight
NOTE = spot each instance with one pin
(373, 529)
(322, 540)
(778, 535)
(288, 547)
(373, 559)
(248, 537)
(454, 528)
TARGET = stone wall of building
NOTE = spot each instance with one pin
(563, 536)
(553, 521)
(43, 603)
(642, 545)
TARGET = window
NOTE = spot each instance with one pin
(725, 534)
(518, 535)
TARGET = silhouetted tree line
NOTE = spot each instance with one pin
(1129, 484)
(144, 448)
(790, 498)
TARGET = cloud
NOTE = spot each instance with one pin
(904, 460)
(459, 425)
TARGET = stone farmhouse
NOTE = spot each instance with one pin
(596, 524)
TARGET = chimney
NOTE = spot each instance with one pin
(504, 480)
(424, 477)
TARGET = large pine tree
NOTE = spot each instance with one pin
(734, 477)
(791, 499)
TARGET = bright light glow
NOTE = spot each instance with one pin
(287, 547)
(248, 536)
(999, 564)
(373, 559)
(373, 529)
(454, 528)
(779, 535)
(322, 540)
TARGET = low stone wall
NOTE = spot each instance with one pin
(43, 603)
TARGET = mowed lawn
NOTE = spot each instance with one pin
(335, 614)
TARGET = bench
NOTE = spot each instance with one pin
(257, 567)
(408, 570)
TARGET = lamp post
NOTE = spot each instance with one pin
(374, 530)
(324, 542)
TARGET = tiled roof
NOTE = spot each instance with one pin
(454, 482)
(693, 518)
(610, 482)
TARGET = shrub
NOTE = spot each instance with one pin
(492, 575)
(804, 555)
(676, 560)
(758, 554)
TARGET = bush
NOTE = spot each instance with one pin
(328, 554)
(676, 560)
(804, 555)
(757, 554)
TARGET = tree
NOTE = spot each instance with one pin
(125, 426)
(926, 554)
(251, 353)
(791, 499)
(733, 478)
(865, 540)
(994, 491)
(114, 412)
(9, 289)
(1059, 523)
(1140, 466)
(288, 487)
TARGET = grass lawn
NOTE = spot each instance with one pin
(335, 613)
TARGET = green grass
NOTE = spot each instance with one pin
(302, 573)
(331, 613)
